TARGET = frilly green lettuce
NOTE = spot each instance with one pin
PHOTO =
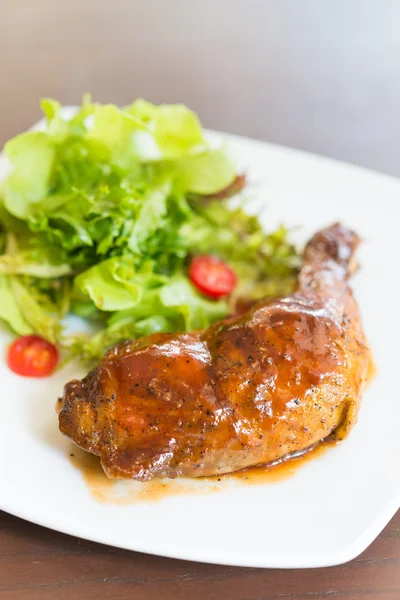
(101, 214)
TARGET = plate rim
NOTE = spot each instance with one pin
(348, 553)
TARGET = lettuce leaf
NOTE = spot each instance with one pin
(10, 311)
(115, 284)
(180, 296)
(111, 136)
(150, 217)
(174, 306)
(42, 319)
(173, 130)
(32, 158)
(24, 257)
(22, 309)
(206, 173)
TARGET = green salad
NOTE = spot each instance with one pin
(101, 216)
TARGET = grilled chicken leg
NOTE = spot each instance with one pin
(246, 391)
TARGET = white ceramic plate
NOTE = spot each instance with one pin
(335, 505)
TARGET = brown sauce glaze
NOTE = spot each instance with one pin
(246, 391)
(124, 492)
(283, 469)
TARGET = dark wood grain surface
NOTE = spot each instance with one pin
(321, 75)
(38, 564)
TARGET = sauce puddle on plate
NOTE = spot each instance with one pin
(125, 492)
(283, 469)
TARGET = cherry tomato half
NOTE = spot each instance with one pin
(32, 356)
(212, 276)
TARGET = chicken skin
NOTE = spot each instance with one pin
(247, 391)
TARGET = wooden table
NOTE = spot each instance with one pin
(322, 75)
(38, 564)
